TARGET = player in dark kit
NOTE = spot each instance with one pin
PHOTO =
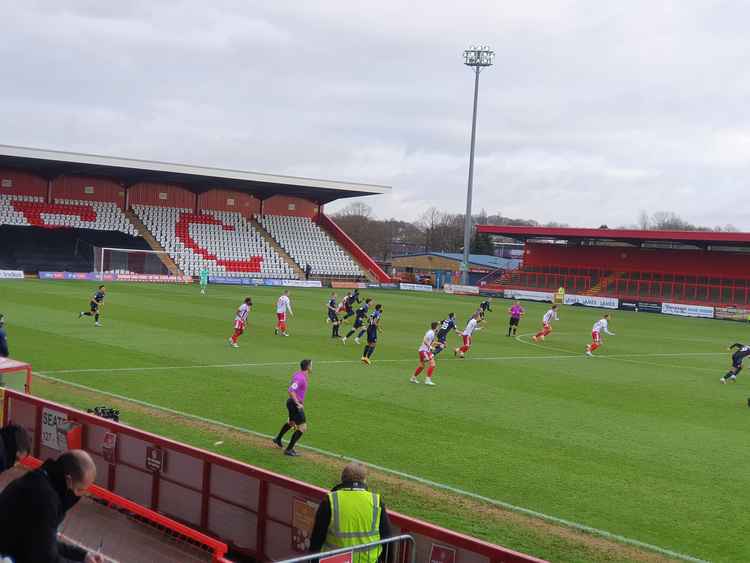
(484, 307)
(359, 321)
(333, 317)
(742, 352)
(349, 302)
(95, 305)
(4, 353)
(372, 333)
(447, 326)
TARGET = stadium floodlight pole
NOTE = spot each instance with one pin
(477, 58)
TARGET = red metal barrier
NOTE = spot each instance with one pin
(360, 255)
(247, 507)
(218, 548)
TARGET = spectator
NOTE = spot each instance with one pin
(345, 517)
(33, 506)
(308, 271)
(15, 445)
(3, 338)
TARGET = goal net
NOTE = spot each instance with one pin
(127, 261)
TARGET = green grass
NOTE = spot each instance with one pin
(641, 441)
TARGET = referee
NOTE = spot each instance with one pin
(296, 409)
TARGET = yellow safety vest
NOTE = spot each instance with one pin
(355, 520)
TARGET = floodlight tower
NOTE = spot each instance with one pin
(477, 58)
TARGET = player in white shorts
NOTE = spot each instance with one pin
(602, 325)
(426, 356)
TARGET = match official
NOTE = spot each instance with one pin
(295, 406)
(350, 515)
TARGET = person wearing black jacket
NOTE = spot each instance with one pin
(15, 445)
(353, 477)
(33, 506)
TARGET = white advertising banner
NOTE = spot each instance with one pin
(11, 275)
(51, 419)
(592, 301)
(687, 310)
(301, 283)
(415, 287)
(530, 295)
(461, 289)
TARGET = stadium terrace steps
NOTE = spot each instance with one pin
(153, 243)
(602, 284)
(277, 247)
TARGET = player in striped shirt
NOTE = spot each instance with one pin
(282, 306)
(471, 327)
(602, 325)
(426, 356)
(549, 316)
(240, 321)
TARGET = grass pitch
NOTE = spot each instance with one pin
(641, 441)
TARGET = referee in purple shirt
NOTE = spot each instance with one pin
(296, 409)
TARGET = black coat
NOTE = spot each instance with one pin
(8, 447)
(31, 509)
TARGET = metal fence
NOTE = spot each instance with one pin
(398, 549)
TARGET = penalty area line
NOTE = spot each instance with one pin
(499, 503)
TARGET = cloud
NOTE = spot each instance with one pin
(592, 112)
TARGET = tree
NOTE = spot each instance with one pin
(482, 244)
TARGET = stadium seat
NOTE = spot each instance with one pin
(307, 243)
(25, 210)
(223, 242)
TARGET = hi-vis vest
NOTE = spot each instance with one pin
(355, 520)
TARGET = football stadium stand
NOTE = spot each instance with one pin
(307, 243)
(202, 217)
(223, 242)
(702, 268)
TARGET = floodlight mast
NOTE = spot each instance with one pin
(477, 58)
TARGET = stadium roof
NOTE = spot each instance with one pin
(633, 236)
(484, 260)
(129, 171)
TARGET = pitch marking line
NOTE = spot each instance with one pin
(569, 355)
(415, 478)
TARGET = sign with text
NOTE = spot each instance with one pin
(340, 558)
(732, 313)
(461, 289)
(442, 554)
(591, 301)
(528, 295)
(415, 287)
(348, 285)
(154, 459)
(11, 275)
(687, 310)
(109, 446)
(303, 520)
(51, 419)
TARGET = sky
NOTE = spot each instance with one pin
(593, 112)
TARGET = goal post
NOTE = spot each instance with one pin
(130, 261)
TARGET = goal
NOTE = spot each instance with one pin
(128, 261)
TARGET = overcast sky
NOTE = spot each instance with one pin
(593, 111)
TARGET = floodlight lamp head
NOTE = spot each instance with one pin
(479, 56)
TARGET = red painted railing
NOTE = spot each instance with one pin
(216, 547)
(360, 255)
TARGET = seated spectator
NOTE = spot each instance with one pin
(15, 445)
(33, 506)
(345, 517)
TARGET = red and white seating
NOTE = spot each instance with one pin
(223, 242)
(307, 243)
(63, 213)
